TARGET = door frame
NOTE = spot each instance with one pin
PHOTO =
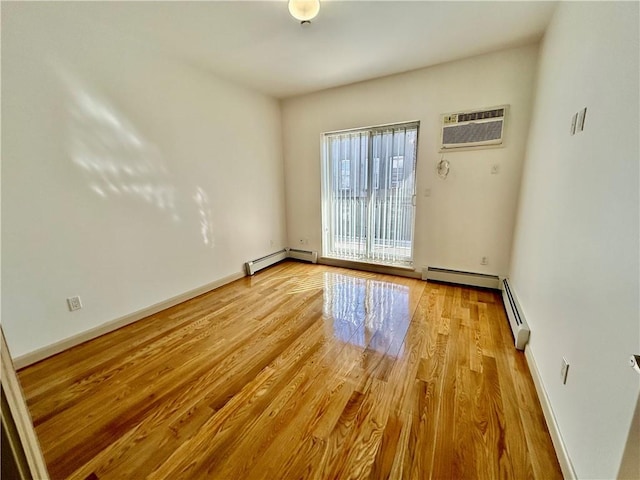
(17, 423)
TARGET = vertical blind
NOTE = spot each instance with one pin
(368, 193)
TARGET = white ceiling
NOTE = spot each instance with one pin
(258, 44)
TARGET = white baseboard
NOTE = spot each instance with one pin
(561, 450)
(50, 350)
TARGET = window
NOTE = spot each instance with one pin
(345, 173)
(368, 190)
(397, 171)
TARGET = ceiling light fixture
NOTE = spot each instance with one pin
(304, 10)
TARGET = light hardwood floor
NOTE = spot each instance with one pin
(302, 371)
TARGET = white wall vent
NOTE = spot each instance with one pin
(304, 255)
(518, 324)
(473, 128)
(461, 278)
(264, 262)
(258, 264)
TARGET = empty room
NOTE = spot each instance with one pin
(320, 239)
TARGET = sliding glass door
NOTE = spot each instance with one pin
(368, 194)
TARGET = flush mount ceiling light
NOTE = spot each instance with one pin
(304, 10)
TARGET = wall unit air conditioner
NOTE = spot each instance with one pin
(473, 128)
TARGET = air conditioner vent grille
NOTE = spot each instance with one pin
(472, 132)
(468, 117)
(471, 129)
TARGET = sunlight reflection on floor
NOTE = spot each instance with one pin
(361, 308)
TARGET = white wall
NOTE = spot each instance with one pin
(127, 177)
(469, 215)
(575, 263)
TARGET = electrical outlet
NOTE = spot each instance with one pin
(484, 261)
(495, 169)
(564, 371)
(74, 303)
(427, 192)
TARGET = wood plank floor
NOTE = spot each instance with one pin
(302, 371)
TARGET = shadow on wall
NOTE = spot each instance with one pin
(116, 159)
(630, 465)
(206, 223)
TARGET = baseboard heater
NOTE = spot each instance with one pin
(461, 278)
(304, 255)
(518, 324)
(268, 260)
